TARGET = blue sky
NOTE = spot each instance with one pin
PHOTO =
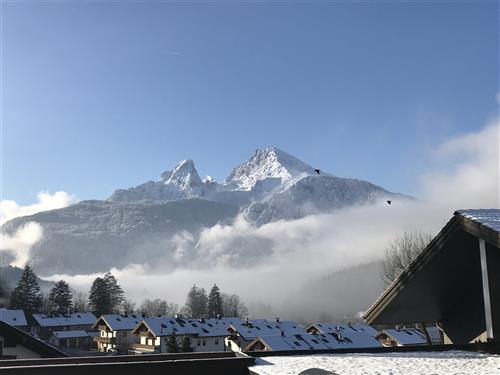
(98, 96)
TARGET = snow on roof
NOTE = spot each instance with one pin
(15, 318)
(345, 328)
(317, 342)
(57, 320)
(119, 322)
(287, 342)
(407, 336)
(350, 340)
(261, 327)
(70, 334)
(165, 326)
(488, 217)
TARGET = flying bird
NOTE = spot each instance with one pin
(317, 171)
(389, 202)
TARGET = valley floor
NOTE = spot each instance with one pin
(437, 363)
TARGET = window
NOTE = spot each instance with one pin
(204, 342)
(216, 341)
(198, 342)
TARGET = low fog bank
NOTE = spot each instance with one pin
(288, 268)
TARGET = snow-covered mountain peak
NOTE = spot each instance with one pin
(268, 163)
(183, 174)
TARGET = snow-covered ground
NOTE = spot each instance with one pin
(435, 363)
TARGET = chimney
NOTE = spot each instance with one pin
(277, 319)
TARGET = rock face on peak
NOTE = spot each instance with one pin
(184, 174)
(180, 182)
(270, 163)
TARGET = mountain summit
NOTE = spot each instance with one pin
(269, 177)
(268, 163)
(183, 174)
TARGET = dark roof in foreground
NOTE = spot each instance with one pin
(444, 283)
(14, 336)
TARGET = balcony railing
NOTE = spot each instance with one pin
(105, 340)
(143, 347)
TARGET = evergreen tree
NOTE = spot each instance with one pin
(99, 297)
(26, 295)
(117, 296)
(61, 298)
(186, 345)
(197, 302)
(106, 296)
(173, 344)
(214, 302)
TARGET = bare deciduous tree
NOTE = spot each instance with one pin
(159, 307)
(232, 306)
(401, 252)
(80, 302)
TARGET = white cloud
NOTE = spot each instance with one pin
(467, 171)
(9, 209)
(19, 244)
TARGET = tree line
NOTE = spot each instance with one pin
(106, 296)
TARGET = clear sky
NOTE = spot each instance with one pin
(98, 96)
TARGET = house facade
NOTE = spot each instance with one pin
(115, 332)
(206, 335)
(401, 337)
(73, 340)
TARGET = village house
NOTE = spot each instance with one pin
(244, 332)
(401, 337)
(15, 318)
(317, 341)
(73, 340)
(317, 328)
(206, 335)
(115, 332)
(44, 324)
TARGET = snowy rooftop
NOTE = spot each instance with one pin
(119, 322)
(70, 334)
(437, 363)
(488, 217)
(319, 342)
(58, 320)
(408, 336)
(261, 327)
(344, 328)
(164, 326)
(15, 318)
